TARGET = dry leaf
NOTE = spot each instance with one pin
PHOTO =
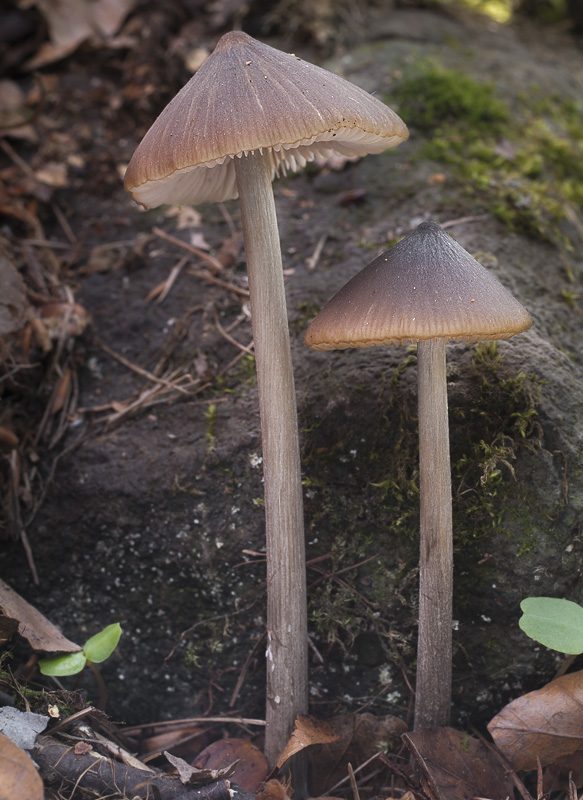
(64, 319)
(307, 731)
(195, 58)
(8, 441)
(359, 737)
(558, 773)
(71, 22)
(251, 765)
(335, 162)
(54, 173)
(8, 628)
(186, 217)
(197, 240)
(81, 748)
(14, 112)
(22, 727)
(201, 777)
(274, 790)
(32, 625)
(18, 775)
(546, 723)
(14, 307)
(61, 391)
(456, 766)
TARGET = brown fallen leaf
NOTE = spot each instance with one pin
(32, 625)
(199, 777)
(8, 628)
(63, 319)
(18, 775)
(456, 766)
(8, 439)
(251, 769)
(14, 306)
(560, 771)
(274, 790)
(307, 731)
(71, 22)
(15, 113)
(359, 737)
(546, 723)
(61, 391)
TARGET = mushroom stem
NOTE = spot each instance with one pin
(287, 649)
(434, 652)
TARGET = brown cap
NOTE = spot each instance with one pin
(248, 96)
(425, 287)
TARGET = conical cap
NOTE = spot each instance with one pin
(425, 287)
(246, 97)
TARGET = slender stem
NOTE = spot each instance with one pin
(287, 640)
(434, 651)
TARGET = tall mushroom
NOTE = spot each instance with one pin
(249, 113)
(426, 289)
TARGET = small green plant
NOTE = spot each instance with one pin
(211, 430)
(95, 650)
(555, 623)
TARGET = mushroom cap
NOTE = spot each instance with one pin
(246, 97)
(425, 287)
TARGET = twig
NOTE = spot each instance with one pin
(353, 785)
(232, 363)
(144, 372)
(198, 273)
(243, 672)
(179, 723)
(73, 718)
(312, 261)
(161, 291)
(213, 263)
(525, 794)
(52, 245)
(462, 220)
(358, 769)
(228, 219)
(96, 775)
(336, 573)
(229, 338)
(20, 162)
(68, 231)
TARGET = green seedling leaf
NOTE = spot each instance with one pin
(556, 623)
(102, 645)
(60, 666)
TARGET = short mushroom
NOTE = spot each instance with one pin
(248, 114)
(426, 289)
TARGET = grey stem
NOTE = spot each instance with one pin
(287, 639)
(434, 650)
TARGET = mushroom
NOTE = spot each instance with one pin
(250, 113)
(426, 289)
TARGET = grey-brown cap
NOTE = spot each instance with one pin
(246, 97)
(425, 287)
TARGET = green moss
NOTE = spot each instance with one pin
(525, 168)
(211, 425)
(362, 493)
(434, 98)
(306, 312)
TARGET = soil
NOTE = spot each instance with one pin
(153, 517)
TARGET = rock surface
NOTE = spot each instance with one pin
(157, 522)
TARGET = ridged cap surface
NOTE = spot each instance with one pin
(425, 287)
(246, 97)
